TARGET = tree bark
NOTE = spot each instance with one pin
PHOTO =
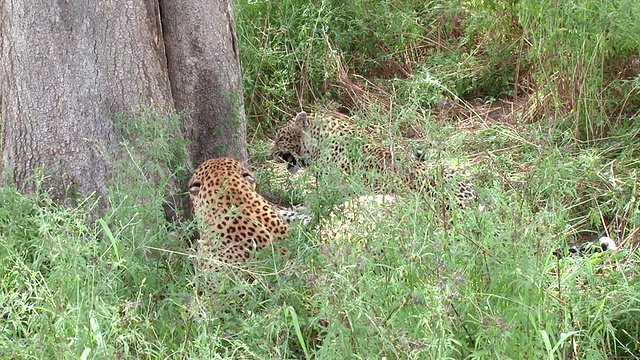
(204, 68)
(66, 68)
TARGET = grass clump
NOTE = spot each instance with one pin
(574, 66)
(586, 52)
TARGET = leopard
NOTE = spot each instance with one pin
(330, 140)
(233, 219)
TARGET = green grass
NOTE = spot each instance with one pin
(577, 63)
(420, 283)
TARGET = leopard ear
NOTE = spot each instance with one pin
(249, 177)
(194, 188)
(302, 120)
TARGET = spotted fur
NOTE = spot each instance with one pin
(233, 219)
(331, 141)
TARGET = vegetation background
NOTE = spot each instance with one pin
(540, 97)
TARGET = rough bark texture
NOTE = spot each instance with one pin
(67, 68)
(204, 69)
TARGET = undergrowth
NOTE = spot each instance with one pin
(576, 63)
(513, 89)
(419, 282)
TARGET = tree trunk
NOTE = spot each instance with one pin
(204, 69)
(66, 68)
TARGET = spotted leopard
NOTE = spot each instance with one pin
(330, 141)
(232, 218)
